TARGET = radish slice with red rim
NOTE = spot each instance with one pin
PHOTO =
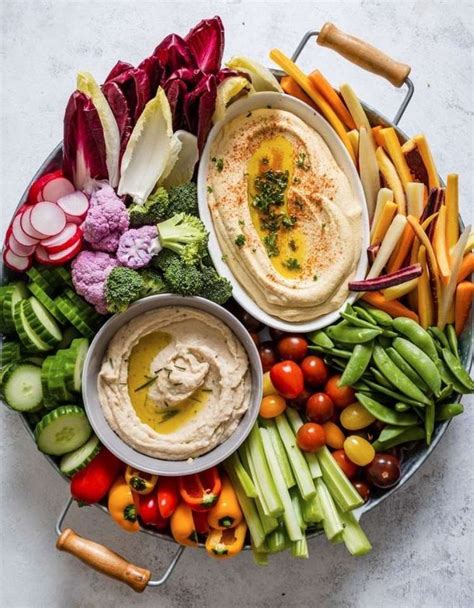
(56, 189)
(26, 226)
(36, 189)
(48, 218)
(19, 249)
(63, 240)
(20, 235)
(16, 262)
(74, 205)
(63, 256)
(42, 256)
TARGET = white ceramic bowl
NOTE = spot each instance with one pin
(320, 125)
(113, 442)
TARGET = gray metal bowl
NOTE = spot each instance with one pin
(113, 442)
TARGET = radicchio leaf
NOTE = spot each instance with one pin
(154, 70)
(123, 115)
(119, 68)
(206, 42)
(199, 108)
(174, 53)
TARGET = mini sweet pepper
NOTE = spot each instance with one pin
(201, 490)
(122, 507)
(226, 513)
(226, 543)
(182, 526)
(140, 482)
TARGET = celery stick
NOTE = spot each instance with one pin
(299, 548)
(269, 523)
(332, 523)
(249, 465)
(248, 508)
(341, 488)
(311, 510)
(277, 540)
(259, 557)
(244, 477)
(353, 536)
(295, 420)
(297, 501)
(272, 496)
(280, 451)
(338, 539)
(295, 456)
(289, 516)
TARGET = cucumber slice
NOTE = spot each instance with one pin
(84, 310)
(69, 310)
(75, 461)
(74, 363)
(47, 302)
(13, 294)
(63, 430)
(34, 417)
(62, 275)
(3, 291)
(48, 400)
(69, 333)
(44, 278)
(57, 388)
(30, 339)
(42, 322)
(21, 387)
(10, 353)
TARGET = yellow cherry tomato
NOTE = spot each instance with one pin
(334, 436)
(272, 406)
(358, 450)
(355, 417)
(268, 388)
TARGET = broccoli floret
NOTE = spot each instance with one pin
(183, 199)
(185, 235)
(181, 278)
(123, 287)
(152, 282)
(155, 209)
(162, 260)
(214, 287)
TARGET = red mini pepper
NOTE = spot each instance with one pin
(149, 511)
(92, 483)
(200, 490)
(200, 522)
(168, 496)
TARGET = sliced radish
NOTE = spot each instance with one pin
(47, 218)
(26, 226)
(20, 235)
(16, 262)
(41, 255)
(63, 240)
(66, 254)
(36, 189)
(20, 249)
(75, 206)
(56, 189)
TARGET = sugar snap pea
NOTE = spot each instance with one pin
(321, 338)
(380, 316)
(357, 364)
(439, 335)
(416, 334)
(395, 375)
(457, 370)
(452, 339)
(336, 352)
(429, 422)
(411, 433)
(364, 314)
(386, 414)
(384, 342)
(354, 320)
(405, 367)
(448, 378)
(389, 432)
(448, 410)
(352, 335)
(401, 407)
(446, 392)
(380, 378)
(420, 361)
(368, 384)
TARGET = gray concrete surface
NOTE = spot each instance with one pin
(422, 538)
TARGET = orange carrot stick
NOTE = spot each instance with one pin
(467, 267)
(403, 249)
(379, 140)
(291, 87)
(464, 296)
(392, 307)
(333, 99)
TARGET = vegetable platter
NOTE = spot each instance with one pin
(348, 412)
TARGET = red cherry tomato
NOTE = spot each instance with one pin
(300, 401)
(319, 407)
(349, 468)
(276, 334)
(310, 437)
(315, 371)
(293, 348)
(341, 395)
(268, 355)
(287, 378)
(255, 337)
(363, 488)
(383, 471)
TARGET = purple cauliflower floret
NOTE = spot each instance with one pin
(90, 270)
(137, 246)
(106, 220)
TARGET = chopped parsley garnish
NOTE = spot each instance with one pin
(168, 415)
(248, 115)
(296, 180)
(265, 160)
(224, 258)
(301, 162)
(270, 242)
(299, 203)
(292, 264)
(288, 221)
(240, 240)
(323, 226)
(292, 244)
(315, 278)
(270, 186)
(241, 223)
(209, 189)
(219, 162)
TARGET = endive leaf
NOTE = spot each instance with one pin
(261, 77)
(229, 90)
(188, 156)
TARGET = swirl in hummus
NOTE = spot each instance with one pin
(174, 383)
(285, 216)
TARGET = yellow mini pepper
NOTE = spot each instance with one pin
(142, 483)
(226, 543)
(182, 526)
(226, 513)
(122, 507)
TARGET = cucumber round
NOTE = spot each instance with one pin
(44, 278)
(69, 333)
(47, 302)
(84, 310)
(21, 387)
(42, 322)
(72, 462)
(13, 294)
(74, 362)
(3, 291)
(30, 339)
(70, 311)
(48, 400)
(10, 352)
(63, 430)
(57, 388)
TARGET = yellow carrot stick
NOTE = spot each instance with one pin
(384, 195)
(415, 192)
(439, 245)
(428, 161)
(355, 107)
(369, 170)
(452, 210)
(398, 291)
(305, 83)
(395, 152)
(425, 302)
(391, 178)
(384, 221)
(354, 139)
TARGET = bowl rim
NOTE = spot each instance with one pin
(281, 101)
(116, 444)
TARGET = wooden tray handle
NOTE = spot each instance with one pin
(363, 54)
(103, 560)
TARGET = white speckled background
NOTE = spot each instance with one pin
(423, 537)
